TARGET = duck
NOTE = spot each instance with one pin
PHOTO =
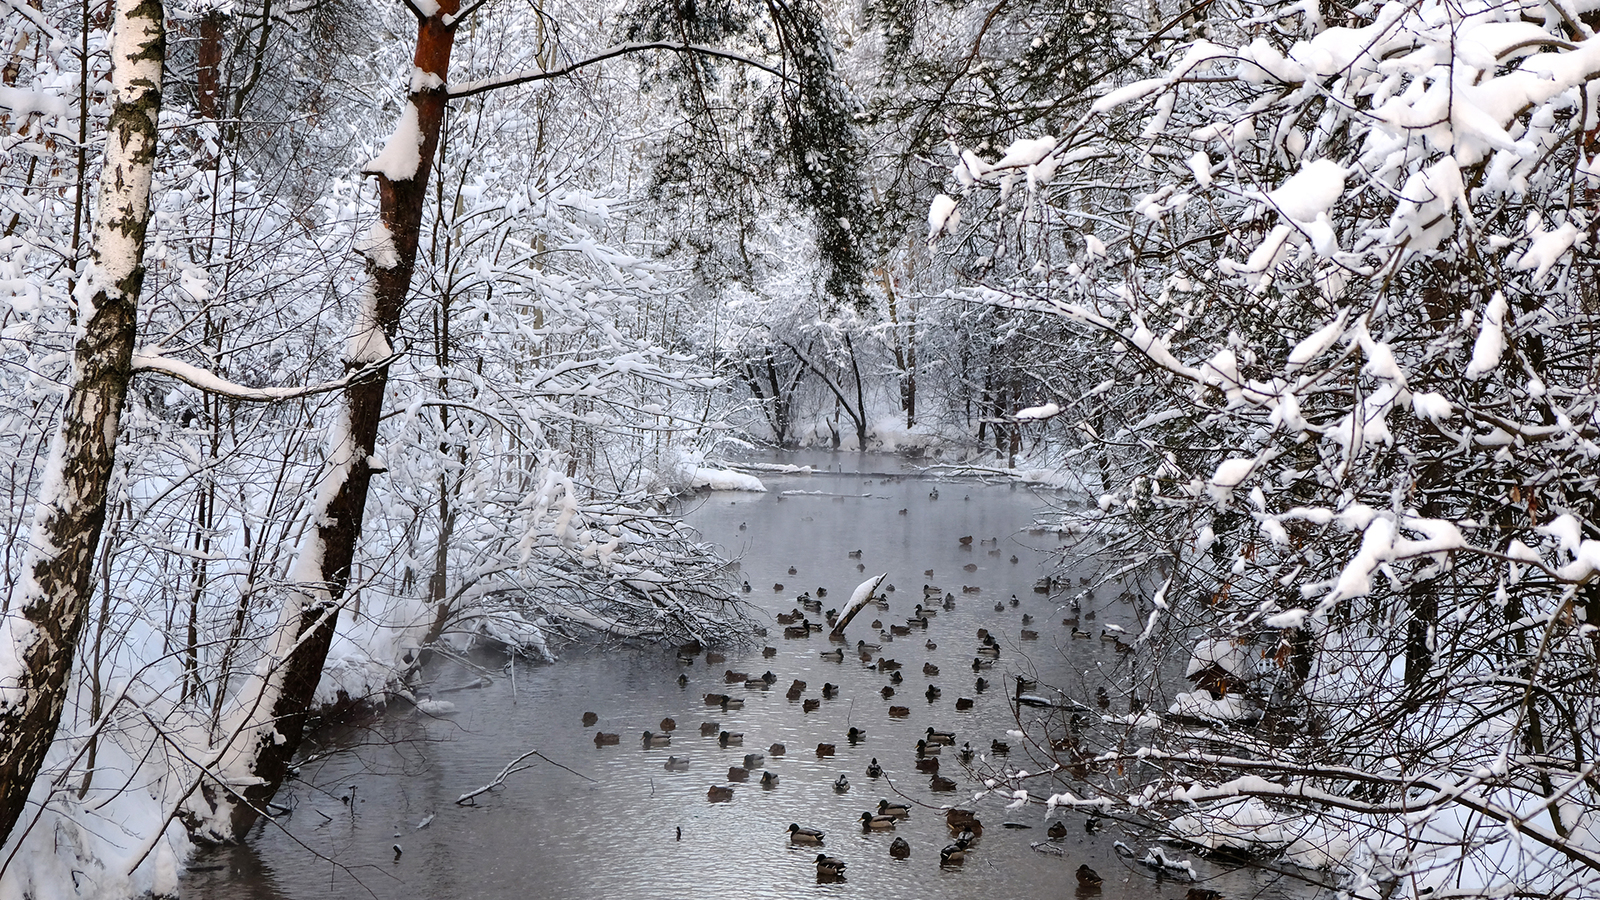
(731, 738)
(720, 793)
(683, 680)
(926, 749)
(834, 655)
(828, 867)
(793, 571)
(1057, 831)
(930, 670)
(1088, 877)
(873, 769)
(863, 647)
(979, 664)
(1027, 618)
(899, 849)
(928, 765)
(769, 780)
(798, 835)
(732, 703)
(999, 747)
(899, 712)
(940, 737)
(1028, 634)
(754, 760)
(931, 645)
(603, 739)
(967, 752)
(709, 729)
(825, 749)
(887, 692)
(932, 693)
(589, 719)
(895, 810)
(896, 678)
(954, 854)
(1196, 893)
(769, 652)
(941, 783)
(982, 684)
(870, 822)
(652, 740)
(810, 705)
(888, 665)
(841, 785)
(732, 677)
(963, 704)
(856, 735)
(738, 773)
(676, 764)
(669, 724)
(715, 699)
(830, 691)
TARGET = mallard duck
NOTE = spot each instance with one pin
(798, 835)
(940, 737)
(856, 735)
(1202, 894)
(932, 693)
(899, 712)
(669, 724)
(924, 748)
(589, 719)
(602, 739)
(709, 729)
(652, 740)
(676, 764)
(928, 766)
(949, 601)
(738, 773)
(834, 655)
(894, 810)
(683, 680)
(930, 670)
(989, 651)
(873, 769)
(829, 867)
(730, 738)
(1057, 830)
(896, 678)
(999, 747)
(954, 854)
(720, 793)
(981, 685)
(941, 783)
(967, 752)
(1088, 877)
(769, 780)
(925, 612)
(870, 822)
(732, 677)
(825, 749)
(916, 622)
(887, 692)
(732, 703)
(810, 705)
(864, 647)
(979, 663)
(754, 760)
(963, 704)
(769, 652)
(841, 785)
(899, 849)
(1028, 634)
(830, 691)
(715, 699)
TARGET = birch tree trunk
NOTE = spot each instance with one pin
(45, 612)
(268, 720)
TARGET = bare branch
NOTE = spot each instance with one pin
(467, 89)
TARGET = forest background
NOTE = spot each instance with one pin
(337, 335)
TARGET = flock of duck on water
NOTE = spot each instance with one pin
(965, 827)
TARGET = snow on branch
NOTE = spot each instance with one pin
(211, 383)
(511, 79)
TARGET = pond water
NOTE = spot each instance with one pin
(581, 821)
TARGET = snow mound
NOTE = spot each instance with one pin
(726, 480)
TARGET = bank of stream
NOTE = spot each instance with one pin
(374, 812)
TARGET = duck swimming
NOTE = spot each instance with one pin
(870, 822)
(730, 739)
(827, 866)
(798, 835)
(841, 785)
(652, 740)
(940, 737)
(895, 810)
(873, 769)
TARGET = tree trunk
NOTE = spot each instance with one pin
(45, 614)
(267, 725)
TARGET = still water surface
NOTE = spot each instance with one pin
(582, 821)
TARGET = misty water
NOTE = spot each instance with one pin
(581, 821)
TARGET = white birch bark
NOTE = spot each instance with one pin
(44, 615)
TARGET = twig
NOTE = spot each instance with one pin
(512, 768)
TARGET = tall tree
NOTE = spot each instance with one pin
(46, 610)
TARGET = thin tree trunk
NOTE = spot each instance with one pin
(269, 722)
(39, 632)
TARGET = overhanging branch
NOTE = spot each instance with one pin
(511, 79)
